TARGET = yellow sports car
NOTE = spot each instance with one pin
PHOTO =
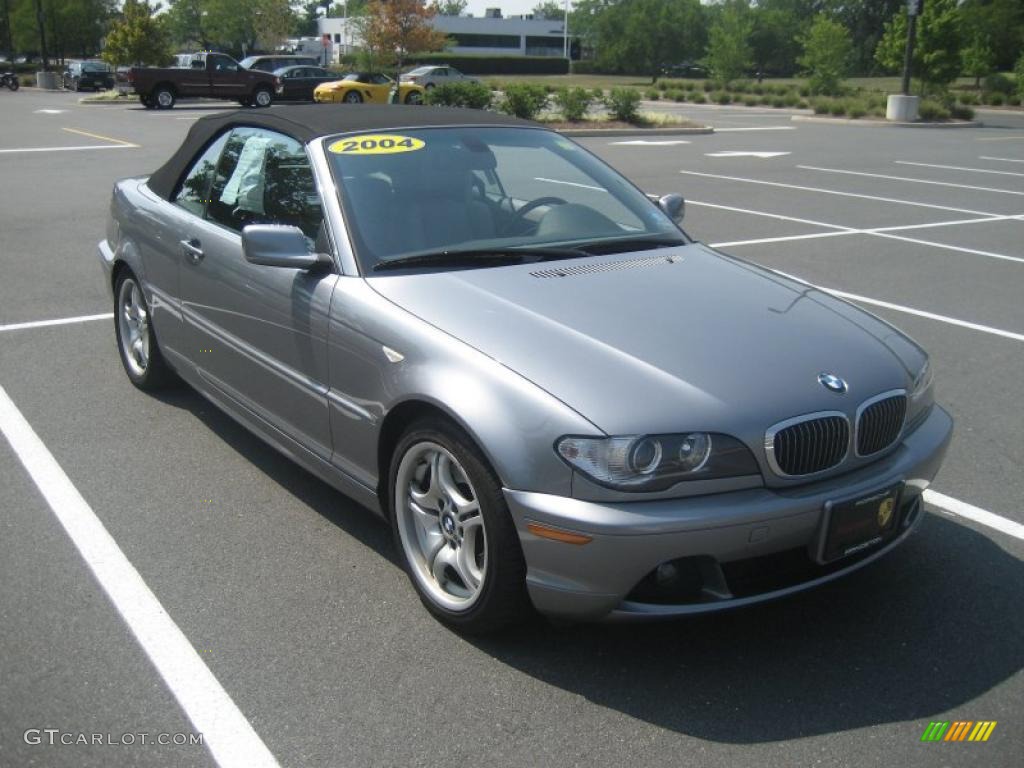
(372, 87)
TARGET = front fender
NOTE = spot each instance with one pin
(514, 422)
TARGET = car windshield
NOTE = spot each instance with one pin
(94, 66)
(488, 191)
(420, 71)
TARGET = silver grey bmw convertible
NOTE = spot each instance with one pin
(481, 332)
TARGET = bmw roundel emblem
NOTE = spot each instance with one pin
(832, 383)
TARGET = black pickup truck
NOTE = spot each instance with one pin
(211, 75)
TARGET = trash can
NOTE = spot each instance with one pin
(46, 80)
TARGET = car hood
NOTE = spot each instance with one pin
(667, 340)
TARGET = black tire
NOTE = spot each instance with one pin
(13, 83)
(503, 598)
(156, 374)
(353, 97)
(163, 97)
(413, 97)
(262, 97)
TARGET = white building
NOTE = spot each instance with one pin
(489, 35)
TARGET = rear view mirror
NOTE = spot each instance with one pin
(272, 245)
(673, 206)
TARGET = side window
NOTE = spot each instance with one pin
(192, 194)
(265, 178)
(222, 64)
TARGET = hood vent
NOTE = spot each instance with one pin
(607, 266)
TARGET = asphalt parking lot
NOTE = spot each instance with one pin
(293, 597)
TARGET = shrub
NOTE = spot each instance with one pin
(698, 98)
(805, 91)
(765, 101)
(757, 88)
(598, 94)
(678, 95)
(779, 102)
(837, 108)
(721, 97)
(622, 104)
(960, 112)
(932, 110)
(690, 85)
(1013, 101)
(999, 83)
(524, 100)
(996, 99)
(802, 104)
(460, 94)
(857, 111)
(709, 86)
(740, 86)
(821, 106)
(663, 85)
(573, 103)
(792, 99)
(653, 94)
(968, 98)
(1018, 71)
(750, 101)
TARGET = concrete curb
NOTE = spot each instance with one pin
(884, 123)
(614, 132)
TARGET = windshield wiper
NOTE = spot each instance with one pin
(605, 247)
(479, 257)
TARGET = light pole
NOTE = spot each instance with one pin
(914, 7)
(565, 32)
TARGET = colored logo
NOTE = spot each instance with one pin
(885, 512)
(832, 383)
(959, 730)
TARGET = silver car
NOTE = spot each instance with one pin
(432, 76)
(481, 332)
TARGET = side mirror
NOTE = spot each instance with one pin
(272, 245)
(674, 207)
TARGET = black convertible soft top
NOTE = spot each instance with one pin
(306, 122)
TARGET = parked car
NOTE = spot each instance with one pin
(549, 390)
(272, 63)
(431, 76)
(371, 87)
(213, 75)
(685, 69)
(88, 74)
(298, 83)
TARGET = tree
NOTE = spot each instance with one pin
(827, 53)
(729, 54)
(137, 37)
(398, 28)
(1000, 22)
(648, 35)
(774, 41)
(549, 9)
(936, 61)
(249, 25)
(979, 60)
(449, 7)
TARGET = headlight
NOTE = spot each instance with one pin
(656, 462)
(921, 396)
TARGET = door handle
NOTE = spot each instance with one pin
(193, 250)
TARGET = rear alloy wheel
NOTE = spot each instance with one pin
(459, 544)
(262, 97)
(353, 97)
(414, 97)
(163, 97)
(140, 353)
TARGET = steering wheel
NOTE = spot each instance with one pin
(520, 214)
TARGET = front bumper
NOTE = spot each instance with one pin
(742, 547)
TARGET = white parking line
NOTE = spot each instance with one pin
(959, 508)
(59, 321)
(958, 168)
(67, 149)
(226, 732)
(911, 180)
(907, 310)
(885, 232)
(820, 191)
(1000, 159)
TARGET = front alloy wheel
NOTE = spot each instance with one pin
(453, 528)
(440, 525)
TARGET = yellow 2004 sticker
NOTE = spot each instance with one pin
(376, 144)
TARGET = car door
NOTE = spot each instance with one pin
(306, 79)
(258, 334)
(226, 81)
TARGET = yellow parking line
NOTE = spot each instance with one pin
(100, 137)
